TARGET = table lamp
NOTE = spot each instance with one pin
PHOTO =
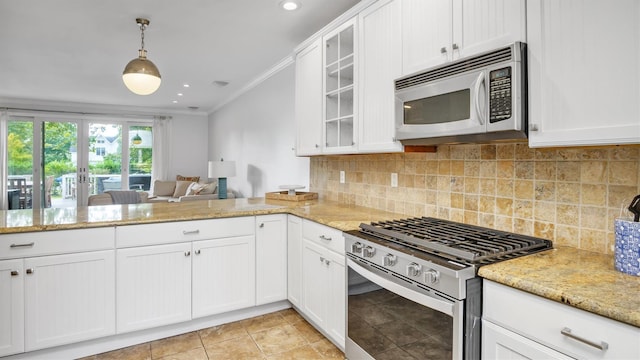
(222, 170)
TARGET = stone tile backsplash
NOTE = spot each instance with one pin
(568, 195)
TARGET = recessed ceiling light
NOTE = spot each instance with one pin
(220, 83)
(180, 94)
(174, 101)
(186, 85)
(290, 5)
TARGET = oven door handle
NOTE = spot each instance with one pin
(428, 300)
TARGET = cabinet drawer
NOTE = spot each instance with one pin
(55, 242)
(326, 236)
(541, 320)
(166, 233)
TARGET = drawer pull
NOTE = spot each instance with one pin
(601, 346)
(13, 246)
(322, 237)
(192, 232)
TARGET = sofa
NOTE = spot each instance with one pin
(107, 199)
(185, 189)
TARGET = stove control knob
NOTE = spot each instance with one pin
(368, 251)
(414, 269)
(389, 260)
(356, 248)
(431, 276)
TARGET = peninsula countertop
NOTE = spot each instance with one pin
(339, 216)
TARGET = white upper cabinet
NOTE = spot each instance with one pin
(308, 108)
(426, 34)
(584, 72)
(340, 100)
(436, 31)
(380, 41)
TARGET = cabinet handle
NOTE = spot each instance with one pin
(261, 225)
(454, 46)
(31, 271)
(198, 252)
(443, 50)
(601, 346)
(322, 237)
(192, 232)
(533, 127)
(14, 273)
(187, 253)
(13, 246)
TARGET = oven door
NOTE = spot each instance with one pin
(392, 318)
(448, 107)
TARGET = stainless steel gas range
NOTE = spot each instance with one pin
(412, 290)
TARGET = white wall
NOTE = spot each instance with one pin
(257, 131)
(188, 146)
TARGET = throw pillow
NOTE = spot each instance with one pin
(194, 188)
(181, 188)
(188, 178)
(163, 188)
(208, 189)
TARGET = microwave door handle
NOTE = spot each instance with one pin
(479, 82)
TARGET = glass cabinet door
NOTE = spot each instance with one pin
(339, 87)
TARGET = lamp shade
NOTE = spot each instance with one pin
(141, 76)
(222, 169)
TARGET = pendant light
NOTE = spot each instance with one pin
(140, 75)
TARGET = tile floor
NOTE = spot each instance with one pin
(280, 335)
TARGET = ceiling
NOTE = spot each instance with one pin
(75, 50)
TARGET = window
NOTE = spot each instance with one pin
(100, 151)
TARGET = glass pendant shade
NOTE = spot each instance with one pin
(141, 76)
(136, 140)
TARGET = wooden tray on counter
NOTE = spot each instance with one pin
(284, 195)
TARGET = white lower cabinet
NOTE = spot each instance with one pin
(223, 275)
(154, 286)
(11, 307)
(519, 325)
(294, 260)
(271, 258)
(323, 280)
(51, 297)
(500, 343)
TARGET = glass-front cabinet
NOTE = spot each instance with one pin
(339, 88)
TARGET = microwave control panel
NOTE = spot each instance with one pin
(500, 104)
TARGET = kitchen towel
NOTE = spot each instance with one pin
(627, 247)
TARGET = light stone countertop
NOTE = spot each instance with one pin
(582, 279)
(578, 278)
(339, 216)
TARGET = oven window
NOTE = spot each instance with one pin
(389, 326)
(453, 106)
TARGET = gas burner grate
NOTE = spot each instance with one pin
(472, 244)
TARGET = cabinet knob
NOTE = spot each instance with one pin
(443, 50)
(327, 262)
(261, 225)
(197, 252)
(30, 271)
(321, 259)
(533, 127)
(454, 46)
(14, 273)
(317, 146)
(187, 253)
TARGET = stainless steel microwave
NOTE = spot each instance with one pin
(474, 99)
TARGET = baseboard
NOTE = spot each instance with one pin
(97, 346)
